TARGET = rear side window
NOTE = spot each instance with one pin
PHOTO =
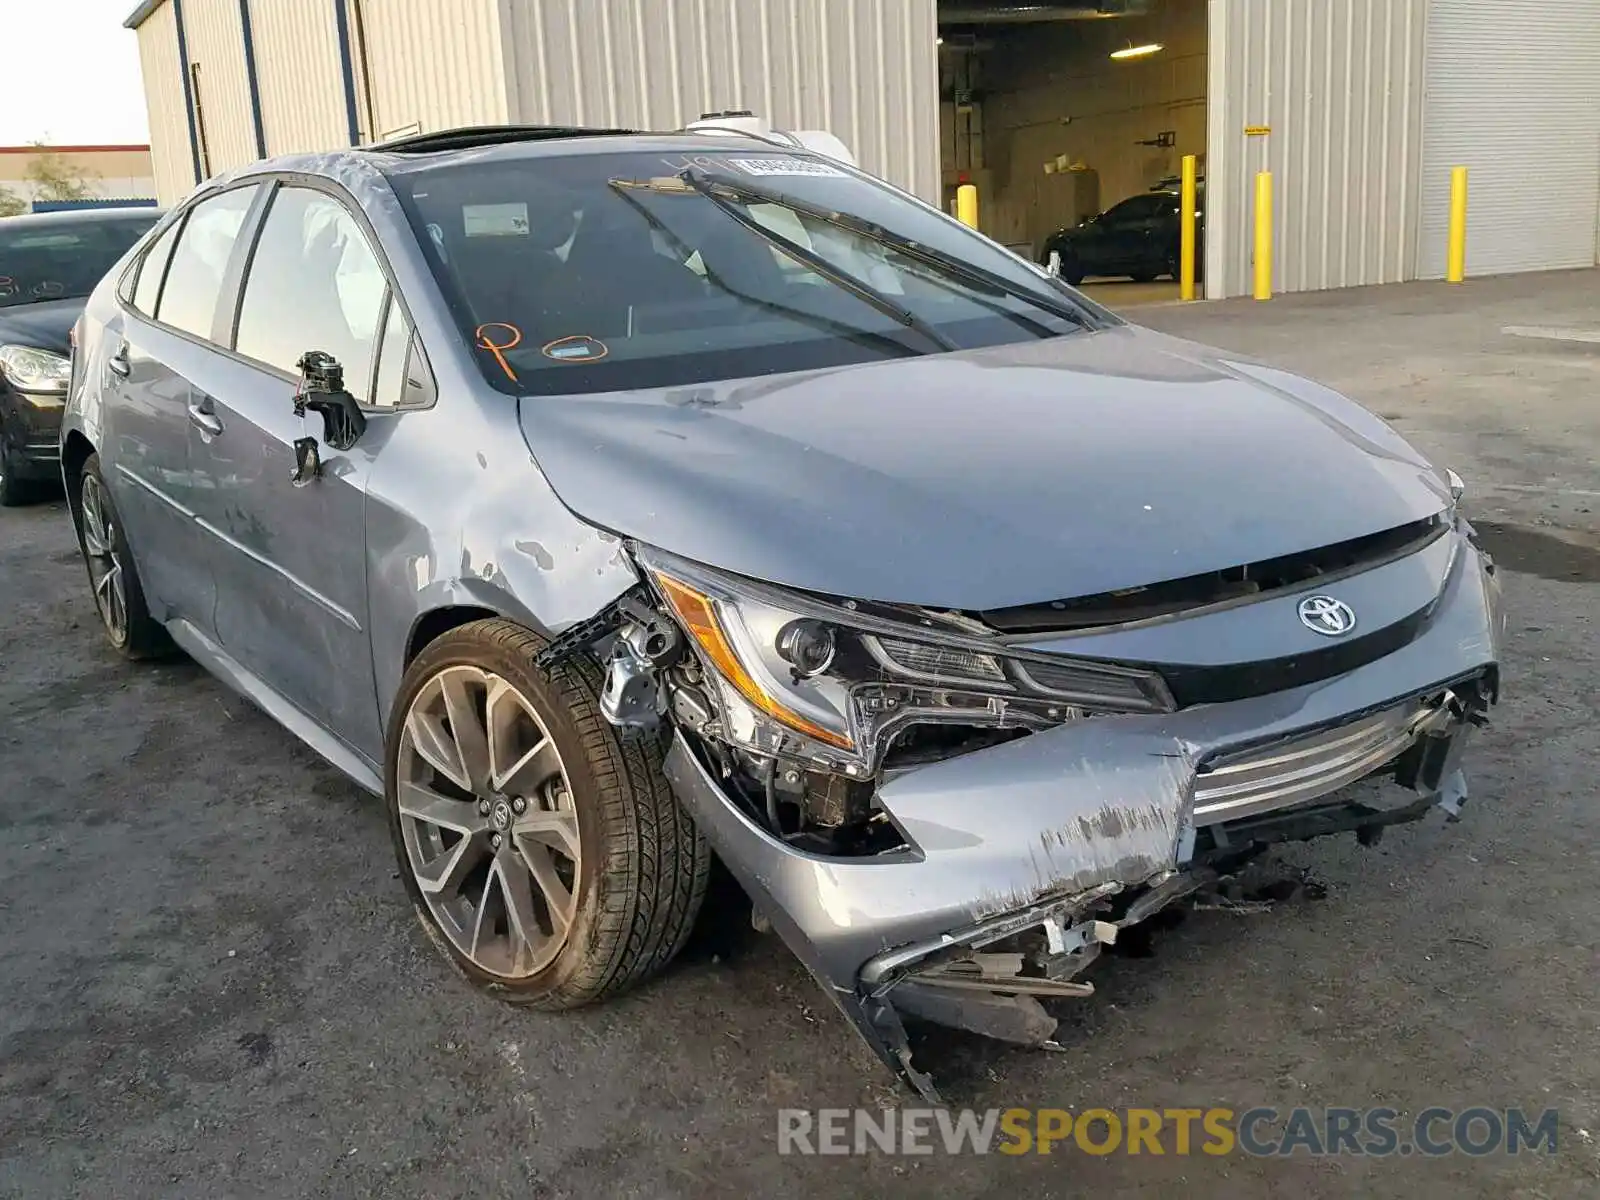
(1136, 208)
(314, 284)
(151, 270)
(194, 278)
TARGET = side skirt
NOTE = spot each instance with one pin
(255, 689)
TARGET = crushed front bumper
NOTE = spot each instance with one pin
(1043, 831)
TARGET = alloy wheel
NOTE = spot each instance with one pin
(105, 563)
(487, 816)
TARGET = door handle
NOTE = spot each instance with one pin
(118, 364)
(203, 419)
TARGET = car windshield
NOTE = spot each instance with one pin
(58, 260)
(600, 272)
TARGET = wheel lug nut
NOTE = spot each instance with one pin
(519, 806)
(483, 808)
(496, 841)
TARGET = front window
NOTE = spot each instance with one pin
(598, 272)
(60, 260)
(314, 284)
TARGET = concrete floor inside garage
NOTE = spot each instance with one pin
(213, 985)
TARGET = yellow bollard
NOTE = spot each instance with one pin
(1456, 272)
(967, 205)
(1264, 236)
(1186, 231)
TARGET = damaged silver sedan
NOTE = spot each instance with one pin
(607, 501)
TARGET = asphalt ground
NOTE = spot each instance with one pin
(212, 985)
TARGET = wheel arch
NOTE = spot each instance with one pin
(430, 626)
(76, 448)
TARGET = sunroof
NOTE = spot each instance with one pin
(488, 135)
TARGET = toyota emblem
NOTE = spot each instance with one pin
(1327, 616)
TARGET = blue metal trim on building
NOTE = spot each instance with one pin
(188, 88)
(250, 75)
(47, 206)
(347, 66)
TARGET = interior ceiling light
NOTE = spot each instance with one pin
(1138, 51)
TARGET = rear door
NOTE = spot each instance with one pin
(1130, 225)
(157, 341)
(288, 559)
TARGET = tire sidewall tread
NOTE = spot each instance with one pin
(637, 901)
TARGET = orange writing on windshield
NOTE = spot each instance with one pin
(499, 347)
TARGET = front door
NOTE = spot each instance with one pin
(289, 558)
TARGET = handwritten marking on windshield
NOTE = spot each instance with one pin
(498, 348)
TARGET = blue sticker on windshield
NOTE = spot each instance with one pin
(579, 348)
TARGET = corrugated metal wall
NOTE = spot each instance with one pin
(297, 66)
(866, 70)
(1339, 82)
(433, 64)
(1513, 95)
(171, 162)
(216, 58)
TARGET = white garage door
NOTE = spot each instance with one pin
(1513, 94)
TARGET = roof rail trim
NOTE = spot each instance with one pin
(139, 15)
(467, 136)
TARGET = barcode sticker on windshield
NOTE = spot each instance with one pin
(784, 166)
(495, 220)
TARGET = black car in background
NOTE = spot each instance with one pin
(1137, 237)
(49, 263)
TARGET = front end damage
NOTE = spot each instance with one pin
(960, 849)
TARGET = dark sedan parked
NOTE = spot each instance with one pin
(1137, 237)
(49, 263)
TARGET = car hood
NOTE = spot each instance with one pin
(986, 478)
(44, 325)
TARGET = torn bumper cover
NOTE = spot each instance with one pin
(1042, 832)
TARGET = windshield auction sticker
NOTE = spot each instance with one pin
(784, 166)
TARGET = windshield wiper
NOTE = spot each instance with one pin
(849, 332)
(864, 292)
(975, 276)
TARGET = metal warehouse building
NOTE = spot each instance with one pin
(1055, 111)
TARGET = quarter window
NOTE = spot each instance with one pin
(194, 279)
(389, 389)
(314, 284)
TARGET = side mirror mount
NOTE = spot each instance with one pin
(322, 391)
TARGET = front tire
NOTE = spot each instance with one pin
(541, 847)
(118, 594)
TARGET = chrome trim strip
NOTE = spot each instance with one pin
(1303, 768)
(154, 491)
(305, 589)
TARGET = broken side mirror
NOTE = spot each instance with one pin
(322, 391)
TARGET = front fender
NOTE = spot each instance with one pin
(459, 515)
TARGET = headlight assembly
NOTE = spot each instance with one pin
(829, 682)
(31, 370)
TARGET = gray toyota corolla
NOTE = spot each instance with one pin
(606, 500)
